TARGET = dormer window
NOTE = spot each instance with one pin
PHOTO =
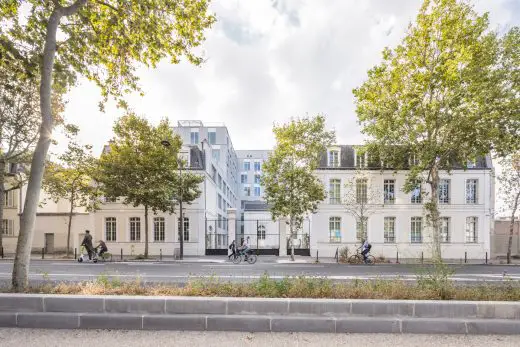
(333, 158)
(361, 160)
(471, 164)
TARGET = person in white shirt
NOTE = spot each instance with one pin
(245, 247)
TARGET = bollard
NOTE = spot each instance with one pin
(465, 257)
(337, 255)
(2, 250)
(43, 252)
(422, 257)
(75, 253)
(486, 257)
(397, 258)
(160, 254)
(317, 257)
(121, 254)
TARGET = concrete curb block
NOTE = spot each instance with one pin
(258, 314)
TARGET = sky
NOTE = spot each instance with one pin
(269, 61)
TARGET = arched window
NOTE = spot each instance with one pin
(260, 233)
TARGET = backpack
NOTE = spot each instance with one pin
(369, 246)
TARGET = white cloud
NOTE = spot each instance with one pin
(269, 61)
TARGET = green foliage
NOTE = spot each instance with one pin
(104, 41)
(291, 189)
(440, 96)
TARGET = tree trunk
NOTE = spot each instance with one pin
(2, 201)
(511, 228)
(25, 238)
(291, 227)
(433, 209)
(146, 231)
(71, 211)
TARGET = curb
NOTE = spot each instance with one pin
(258, 314)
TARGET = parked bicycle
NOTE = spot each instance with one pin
(238, 256)
(358, 258)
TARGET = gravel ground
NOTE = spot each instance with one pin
(40, 338)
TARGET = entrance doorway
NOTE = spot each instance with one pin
(49, 243)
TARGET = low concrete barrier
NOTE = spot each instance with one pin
(258, 314)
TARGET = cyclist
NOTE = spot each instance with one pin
(365, 249)
(245, 247)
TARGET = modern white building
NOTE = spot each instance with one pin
(231, 206)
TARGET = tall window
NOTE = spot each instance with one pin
(444, 192)
(333, 158)
(389, 229)
(8, 227)
(110, 229)
(247, 190)
(135, 229)
(471, 229)
(361, 161)
(361, 191)
(416, 194)
(247, 165)
(416, 230)
(257, 191)
(194, 137)
(335, 229)
(216, 154)
(257, 166)
(158, 229)
(334, 191)
(389, 191)
(257, 179)
(212, 137)
(472, 191)
(9, 198)
(361, 228)
(444, 225)
(243, 178)
(260, 233)
(186, 227)
(220, 181)
(219, 201)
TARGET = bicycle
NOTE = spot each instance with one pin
(358, 258)
(251, 258)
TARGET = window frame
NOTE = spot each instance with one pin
(334, 229)
(186, 228)
(159, 229)
(260, 232)
(473, 201)
(445, 230)
(387, 183)
(414, 199)
(362, 191)
(471, 220)
(445, 182)
(363, 236)
(333, 158)
(335, 191)
(387, 231)
(113, 229)
(416, 236)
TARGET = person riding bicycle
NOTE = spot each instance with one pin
(233, 248)
(101, 248)
(245, 247)
(365, 249)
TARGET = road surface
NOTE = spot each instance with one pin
(180, 272)
(44, 338)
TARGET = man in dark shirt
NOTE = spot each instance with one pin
(87, 242)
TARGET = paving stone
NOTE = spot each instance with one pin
(439, 309)
(196, 305)
(494, 326)
(433, 326)
(257, 306)
(80, 304)
(111, 321)
(7, 319)
(303, 324)
(367, 325)
(175, 322)
(238, 323)
(320, 307)
(48, 320)
(21, 303)
(498, 310)
(135, 305)
(375, 308)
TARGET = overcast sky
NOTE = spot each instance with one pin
(268, 61)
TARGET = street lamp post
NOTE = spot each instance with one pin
(167, 144)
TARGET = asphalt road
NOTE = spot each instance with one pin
(180, 272)
(44, 338)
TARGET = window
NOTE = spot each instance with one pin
(471, 229)
(194, 137)
(260, 233)
(333, 158)
(257, 179)
(416, 230)
(186, 228)
(335, 229)
(158, 229)
(389, 191)
(247, 190)
(219, 221)
(135, 229)
(213, 173)
(361, 228)
(334, 191)
(212, 137)
(257, 166)
(361, 160)
(444, 226)
(361, 191)
(219, 201)
(444, 192)
(257, 191)
(247, 166)
(216, 154)
(416, 194)
(471, 164)
(9, 198)
(219, 181)
(110, 229)
(471, 191)
(243, 178)
(8, 227)
(413, 160)
(389, 229)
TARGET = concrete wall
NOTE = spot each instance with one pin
(500, 238)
